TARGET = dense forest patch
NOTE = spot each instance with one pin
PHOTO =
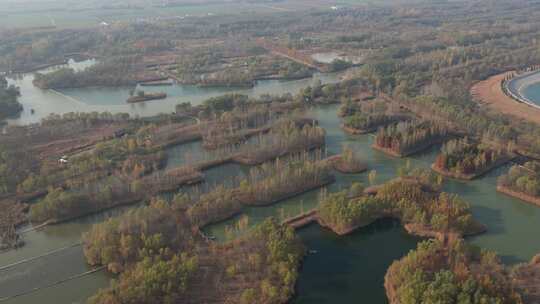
(522, 181)
(405, 138)
(9, 104)
(451, 272)
(416, 200)
(463, 159)
(159, 257)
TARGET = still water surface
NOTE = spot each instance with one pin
(45, 102)
(350, 269)
(533, 92)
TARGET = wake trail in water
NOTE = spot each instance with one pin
(24, 261)
(74, 277)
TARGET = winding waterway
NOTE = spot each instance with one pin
(113, 99)
(343, 269)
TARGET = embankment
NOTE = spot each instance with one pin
(409, 152)
(490, 93)
(471, 176)
(519, 195)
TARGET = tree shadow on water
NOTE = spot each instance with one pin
(490, 217)
(511, 259)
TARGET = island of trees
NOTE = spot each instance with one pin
(415, 199)
(268, 184)
(120, 71)
(522, 181)
(450, 272)
(409, 137)
(460, 158)
(367, 117)
(348, 162)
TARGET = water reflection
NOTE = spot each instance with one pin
(346, 269)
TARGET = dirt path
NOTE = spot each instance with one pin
(489, 93)
(290, 54)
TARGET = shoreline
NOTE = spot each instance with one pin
(336, 164)
(516, 86)
(519, 195)
(469, 177)
(413, 229)
(418, 149)
(490, 93)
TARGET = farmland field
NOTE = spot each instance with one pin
(70, 14)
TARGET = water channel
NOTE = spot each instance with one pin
(113, 100)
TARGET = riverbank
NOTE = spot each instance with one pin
(87, 204)
(519, 195)
(38, 67)
(113, 99)
(490, 93)
(413, 229)
(410, 152)
(349, 210)
(471, 176)
(360, 131)
(282, 182)
(516, 85)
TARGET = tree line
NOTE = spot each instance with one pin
(523, 178)
(438, 272)
(9, 100)
(407, 137)
(408, 198)
(464, 157)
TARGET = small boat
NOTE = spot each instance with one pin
(313, 251)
